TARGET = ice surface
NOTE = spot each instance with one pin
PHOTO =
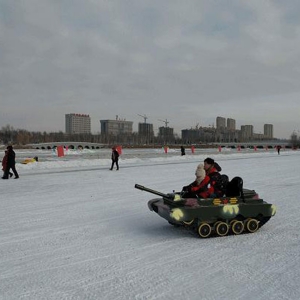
(72, 229)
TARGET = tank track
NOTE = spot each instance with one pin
(216, 231)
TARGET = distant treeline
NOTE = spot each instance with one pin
(10, 135)
(21, 137)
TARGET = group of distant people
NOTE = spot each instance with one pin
(9, 163)
(205, 184)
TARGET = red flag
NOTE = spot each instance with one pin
(60, 151)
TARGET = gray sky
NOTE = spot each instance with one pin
(182, 61)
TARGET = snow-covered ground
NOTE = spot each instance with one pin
(72, 229)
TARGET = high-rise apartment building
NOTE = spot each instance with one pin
(116, 127)
(166, 133)
(145, 132)
(221, 123)
(78, 123)
(146, 129)
(246, 132)
(268, 131)
(230, 124)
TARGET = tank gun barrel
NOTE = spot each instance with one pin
(143, 188)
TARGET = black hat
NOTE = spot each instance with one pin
(209, 161)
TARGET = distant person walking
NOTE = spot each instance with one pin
(182, 150)
(4, 164)
(278, 149)
(11, 163)
(114, 158)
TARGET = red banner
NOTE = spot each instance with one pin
(60, 151)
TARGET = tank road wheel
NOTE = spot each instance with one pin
(222, 228)
(204, 230)
(216, 224)
(237, 227)
(252, 225)
(232, 221)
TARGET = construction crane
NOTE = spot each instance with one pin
(165, 121)
(143, 116)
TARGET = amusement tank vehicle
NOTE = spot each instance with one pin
(238, 211)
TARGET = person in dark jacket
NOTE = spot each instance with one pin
(212, 170)
(11, 163)
(182, 150)
(4, 164)
(114, 158)
(278, 149)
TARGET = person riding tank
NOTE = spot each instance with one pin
(198, 188)
(212, 170)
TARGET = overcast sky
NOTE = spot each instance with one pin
(186, 62)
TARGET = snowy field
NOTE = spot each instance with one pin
(72, 229)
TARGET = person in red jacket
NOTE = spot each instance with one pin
(212, 170)
(200, 186)
(197, 188)
(206, 185)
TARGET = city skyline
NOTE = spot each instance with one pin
(176, 61)
(79, 123)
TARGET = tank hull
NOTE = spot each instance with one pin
(216, 216)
